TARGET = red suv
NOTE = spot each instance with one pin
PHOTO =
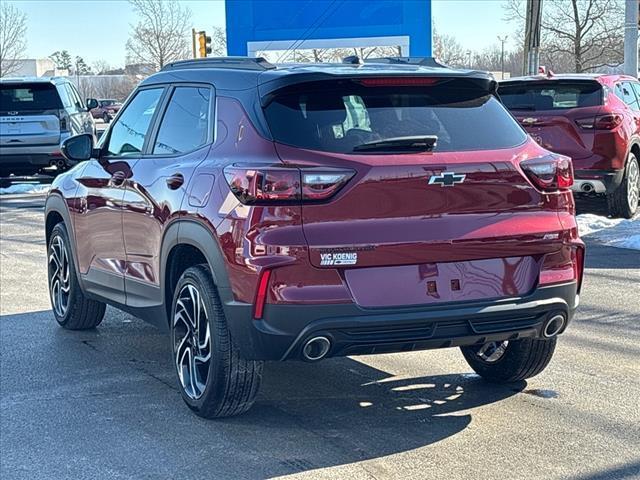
(300, 212)
(106, 110)
(595, 120)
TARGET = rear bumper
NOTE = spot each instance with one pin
(356, 331)
(597, 181)
(28, 159)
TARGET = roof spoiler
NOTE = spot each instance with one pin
(422, 61)
(237, 63)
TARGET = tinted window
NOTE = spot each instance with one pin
(553, 95)
(76, 96)
(128, 133)
(185, 125)
(625, 92)
(337, 117)
(636, 89)
(72, 95)
(35, 96)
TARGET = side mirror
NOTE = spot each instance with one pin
(92, 103)
(78, 148)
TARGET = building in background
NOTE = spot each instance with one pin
(38, 67)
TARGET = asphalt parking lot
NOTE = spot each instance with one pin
(103, 404)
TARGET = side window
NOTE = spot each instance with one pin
(636, 89)
(128, 133)
(185, 125)
(67, 100)
(75, 97)
(625, 92)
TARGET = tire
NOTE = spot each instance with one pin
(105, 118)
(623, 202)
(226, 384)
(517, 359)
(71, 309)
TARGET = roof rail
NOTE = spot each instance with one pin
(422, 61)
(238, 63)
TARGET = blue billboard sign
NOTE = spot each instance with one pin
(258, 25)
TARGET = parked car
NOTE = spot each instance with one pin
(595, 120)
(262, 212)
(36, 115)
(106, 109)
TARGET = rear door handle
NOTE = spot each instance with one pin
(175, 181)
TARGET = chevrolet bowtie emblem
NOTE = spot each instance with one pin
(447, 179)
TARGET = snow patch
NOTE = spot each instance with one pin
(616, 232)
(22, 188)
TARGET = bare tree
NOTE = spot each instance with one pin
(101, 66)
(161, 34)
(448, 50)
(218, 42)
(13, 29)
(588, 32)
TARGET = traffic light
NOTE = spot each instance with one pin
(204, 44)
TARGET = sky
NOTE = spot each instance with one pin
(98, 29)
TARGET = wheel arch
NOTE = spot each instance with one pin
(635, 149)
(187, 243)
(57, 211)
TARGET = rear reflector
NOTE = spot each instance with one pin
(269, 185)
(398, 81)
(261, 294)
(549, 173)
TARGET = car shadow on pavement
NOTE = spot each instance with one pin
(119, 378)
(352, 412)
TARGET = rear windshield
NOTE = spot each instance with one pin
(551, 95)
(338, 116)
(29, 96)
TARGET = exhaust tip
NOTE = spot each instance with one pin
(554, 326)
(316, 348)
(587, 187)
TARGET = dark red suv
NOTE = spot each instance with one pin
(595, 120)
(299, 212)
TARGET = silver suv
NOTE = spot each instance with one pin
(36, 115)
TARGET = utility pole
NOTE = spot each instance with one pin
(469, 55)
(631, 38)
(502, 40)
(193, 42)
(78, 76)
(532, 37)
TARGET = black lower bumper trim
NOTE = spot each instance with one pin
(356, 331)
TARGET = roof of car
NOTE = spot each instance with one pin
(601, 77)
(239, 73)
(54, 80)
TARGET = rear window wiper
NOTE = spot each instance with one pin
(419, 143)
(522, 107)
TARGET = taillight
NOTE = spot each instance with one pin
(549, 173)
(608, 121)
(64, 121)
(267, 185)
